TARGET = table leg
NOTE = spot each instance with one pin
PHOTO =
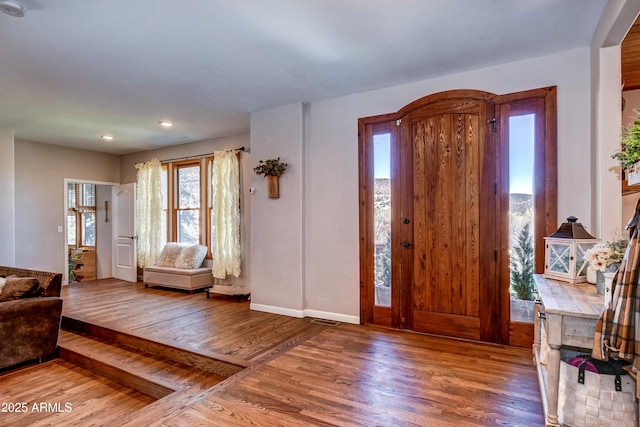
(553, 379)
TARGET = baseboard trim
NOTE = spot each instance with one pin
(332, 316)
(306, 313)
(277, 310)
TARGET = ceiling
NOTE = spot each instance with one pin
(71, 70)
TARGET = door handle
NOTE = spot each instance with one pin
(406, 221)
(406, 244)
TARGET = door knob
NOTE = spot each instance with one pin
(406, 244)
(406, 220)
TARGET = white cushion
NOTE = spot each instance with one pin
(169, 254)
(191, 256)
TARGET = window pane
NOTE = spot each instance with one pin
(521, 232)
(71, 229)
(189, 187)
(188, 227)
(88, 229)
(382, 218)
(88, 194)
(71, 195)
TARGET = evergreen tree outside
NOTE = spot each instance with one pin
(521, 263)
(383, 268)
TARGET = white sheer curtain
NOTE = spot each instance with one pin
(225, 214)
(149, 212)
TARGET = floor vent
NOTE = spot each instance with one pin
(325, 322)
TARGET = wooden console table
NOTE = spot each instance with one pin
(568, 313)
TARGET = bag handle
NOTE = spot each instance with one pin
(616, 369)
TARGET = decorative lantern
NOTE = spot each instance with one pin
(564, 252)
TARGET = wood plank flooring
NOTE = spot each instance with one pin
(78, 397)
(300, 373)
(217, 326)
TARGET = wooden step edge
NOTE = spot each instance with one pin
(136, 381)
(162, 410)
(216, 363)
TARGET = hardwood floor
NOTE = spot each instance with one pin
(71, 396)
(293, 372)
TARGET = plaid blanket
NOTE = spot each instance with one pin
(616, 329)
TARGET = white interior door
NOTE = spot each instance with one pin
(125, 238)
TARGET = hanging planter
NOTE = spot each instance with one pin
(272, 169)
(273, 187)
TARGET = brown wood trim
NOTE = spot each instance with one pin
(551, 162)
(502, 112)
(490, 325)
(449, 324)
(521, 334)
(405, 197)
(446, 96)
(365, 176)
(542, 102)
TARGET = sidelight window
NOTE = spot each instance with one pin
(521, 215)
(382, 218)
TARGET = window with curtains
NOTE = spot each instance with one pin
(199, 204)
(81, 215)
(186, 190)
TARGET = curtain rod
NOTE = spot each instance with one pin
(201, 155)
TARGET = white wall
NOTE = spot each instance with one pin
(40, 171)
(277, 240)
(104, 231)
(128, 175)
(7, 189)
(330, 177)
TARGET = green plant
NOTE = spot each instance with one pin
(630, 144)
(270, 167)
(521, 264)
(383, 265)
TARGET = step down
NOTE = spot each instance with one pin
(144, 372)
(219, 364)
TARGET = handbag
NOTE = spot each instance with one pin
(604, 367)
(595, 392)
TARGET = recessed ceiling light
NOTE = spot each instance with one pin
(12, 8)
(165, 123)
(107, 137)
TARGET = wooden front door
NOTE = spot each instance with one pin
(452, 286)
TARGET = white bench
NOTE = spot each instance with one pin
(190, 279)
(174, 269)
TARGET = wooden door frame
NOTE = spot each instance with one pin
(543, 102)
(369, 312)
(545, 184)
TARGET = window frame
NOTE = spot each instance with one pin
(79, 211)
(171, 169)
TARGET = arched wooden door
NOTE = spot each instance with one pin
(435, 225)
(452, 288)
